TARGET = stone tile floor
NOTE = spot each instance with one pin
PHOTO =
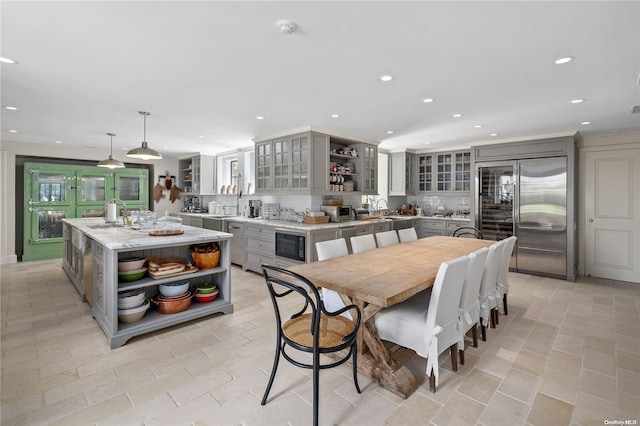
(567, 354)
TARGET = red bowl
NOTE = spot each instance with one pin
(205, 298)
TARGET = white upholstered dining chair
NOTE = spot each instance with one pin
(407, 234)
(502, 282)
(328, 250)
(487, 297)
(362, 243)
(428, 325)
(387, 238)
(469, 315)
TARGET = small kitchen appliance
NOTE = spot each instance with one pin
(254, 208)
(338, 213)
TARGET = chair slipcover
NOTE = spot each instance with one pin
(502, 282)
(470, 298)
(487, 296)
(363, 243)
(428, 324)
(408, 234)
(387, 238)
(327, 250)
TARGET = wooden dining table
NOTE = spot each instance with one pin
(380, 278)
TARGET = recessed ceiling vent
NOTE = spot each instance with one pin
(635, 109)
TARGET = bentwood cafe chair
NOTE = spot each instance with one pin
(311, 328)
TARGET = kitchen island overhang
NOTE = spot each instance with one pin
(110, 243)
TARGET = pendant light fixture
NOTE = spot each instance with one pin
(144, 152)
(111, 162)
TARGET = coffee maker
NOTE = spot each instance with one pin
(254, 208)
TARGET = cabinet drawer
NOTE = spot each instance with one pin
(259, 259)
(424, 233)
(264, 232)
(452, 226)
(381, 227)
(363, 230)
(432, 224)
(261, 245)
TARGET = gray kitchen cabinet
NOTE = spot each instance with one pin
(197, 175)
(424, 166)
(237, 241)
(431, 227)
(443, 172)
(318, 236)
(259, 246)
(402, 173)
(307, 162)
(452, 225)
(369, 169)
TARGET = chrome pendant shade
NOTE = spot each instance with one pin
(111, 162)
(144, 152)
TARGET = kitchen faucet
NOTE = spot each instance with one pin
(377, 208)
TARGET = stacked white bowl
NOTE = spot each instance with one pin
(132, 305)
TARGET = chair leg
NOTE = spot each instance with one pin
(474, 335)
(273, 373)
(483, 330)
(461, 355)
(504, 302)
(497, 313)
(316, 386)
(432, 383)
(492, 315)
(453, 350)
(355, 367)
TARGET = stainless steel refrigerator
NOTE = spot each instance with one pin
(528, 199)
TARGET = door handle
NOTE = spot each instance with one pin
(590, 220)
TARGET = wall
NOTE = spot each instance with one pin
(9, 151)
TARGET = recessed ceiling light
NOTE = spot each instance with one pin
(427, 143)
(577, 101)
(564, 60)
(201, 136)
(7, 60)
(584, 123)
(477, 126)
(390, 132)
(458, 115)
(386, 78)
(335, 115)
(259, 117)
(427, 100)
(493, 134)
(12, 131)
(58, 142)
(10, 108)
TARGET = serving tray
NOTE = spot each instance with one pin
(189, 269)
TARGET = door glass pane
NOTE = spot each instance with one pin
(50, 224)
(93, 213)
(93, 188)
(129, 188)
(51, 187)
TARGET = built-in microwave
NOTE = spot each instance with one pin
(337, 213)
(290, 245)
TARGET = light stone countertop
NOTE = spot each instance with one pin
(121, 237)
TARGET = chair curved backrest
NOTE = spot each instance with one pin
(362, 243)
(468, 232)
(328, 250)
(310, 329)
(407, 234)
(387, 238)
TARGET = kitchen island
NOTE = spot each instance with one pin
(110, 243)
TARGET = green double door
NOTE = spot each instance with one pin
(53, 192)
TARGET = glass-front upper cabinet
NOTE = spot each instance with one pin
(263, 166)
(425, 172)
(300, 162)
(370, 165)
(443, 172)
(463, 171)
(131, 186)
(281, 163)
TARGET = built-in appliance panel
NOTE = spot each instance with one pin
(524, 149)
(555, 238)
(542, 261)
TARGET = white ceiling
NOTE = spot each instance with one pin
(206, 69)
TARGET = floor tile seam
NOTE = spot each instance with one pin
(528, 404)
